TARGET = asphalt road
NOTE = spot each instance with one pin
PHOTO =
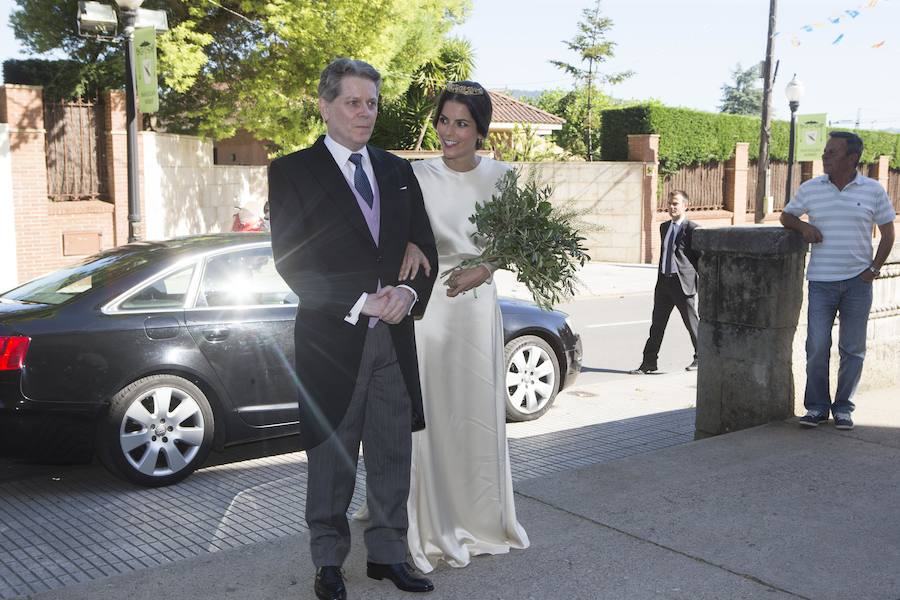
(613, 332)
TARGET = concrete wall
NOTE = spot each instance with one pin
(185, 193)
(882, 339)
(8, 265)
(607, 195)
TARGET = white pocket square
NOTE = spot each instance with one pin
(404, 187)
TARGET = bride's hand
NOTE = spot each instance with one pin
(463, 280)
(412, 260)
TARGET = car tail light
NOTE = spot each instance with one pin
(12, 352)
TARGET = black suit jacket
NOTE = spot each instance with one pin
(684, 257)
(324, 251)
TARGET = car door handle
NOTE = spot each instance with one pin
(216, 334)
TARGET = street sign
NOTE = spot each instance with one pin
(145, 69)
(811, 137)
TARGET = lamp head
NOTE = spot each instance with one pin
(794, 90)
(129, 4)
(96, 20)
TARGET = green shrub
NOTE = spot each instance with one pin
(689, 137)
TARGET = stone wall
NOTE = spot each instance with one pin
(185, 193)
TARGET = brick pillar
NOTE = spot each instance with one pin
(22, 108)
(115, 124)
(9, 273)
(645, 148)
(880, 170)
(736, 183)
(810, 169)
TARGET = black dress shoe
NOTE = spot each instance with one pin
(401, 574)
(330, 584)
(644, 370)
(693, 366)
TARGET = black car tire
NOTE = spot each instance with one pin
(180, 440)
(532, 378)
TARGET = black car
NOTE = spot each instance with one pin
(152, 354)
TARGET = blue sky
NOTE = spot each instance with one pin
(684, 50)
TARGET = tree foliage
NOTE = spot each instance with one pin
(744, 96)
(592, 46)
(572, 106)
(255, 63)
(405, 122)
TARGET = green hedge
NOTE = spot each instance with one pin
(689, 137)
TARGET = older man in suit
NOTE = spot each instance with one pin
(676, 283)
(342, 215)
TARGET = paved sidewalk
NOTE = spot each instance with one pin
(771, 512)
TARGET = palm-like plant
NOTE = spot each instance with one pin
(406, 122)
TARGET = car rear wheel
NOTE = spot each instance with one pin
(532, 378)
(159, 429)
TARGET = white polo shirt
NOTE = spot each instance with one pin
(845, 218)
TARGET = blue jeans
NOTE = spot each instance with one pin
(852, 299)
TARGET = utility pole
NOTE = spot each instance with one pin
(762, 164)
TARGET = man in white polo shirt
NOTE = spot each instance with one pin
(843, 207)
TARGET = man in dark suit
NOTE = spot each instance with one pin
(342, 215)
(676, 283)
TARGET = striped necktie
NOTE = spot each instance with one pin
(360, 181)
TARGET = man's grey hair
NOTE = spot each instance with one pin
(854, 142)
(683, 194)
(330, 80)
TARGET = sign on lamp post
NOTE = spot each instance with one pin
(145, 67)
(811, 136)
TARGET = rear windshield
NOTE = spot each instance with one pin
(62, 285)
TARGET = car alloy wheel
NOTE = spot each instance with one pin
(158, 431)
(532, 378)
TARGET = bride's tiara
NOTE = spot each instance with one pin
(465, 90)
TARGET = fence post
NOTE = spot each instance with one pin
(880, 170)
(810, 169)
(645, 148)
(735, 185)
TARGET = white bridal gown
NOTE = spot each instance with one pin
(461, 495)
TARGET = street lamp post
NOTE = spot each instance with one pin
(128, 9)
(793, 91)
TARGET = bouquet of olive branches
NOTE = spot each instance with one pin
(522, 232)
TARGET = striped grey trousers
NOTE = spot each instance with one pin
(379, 417)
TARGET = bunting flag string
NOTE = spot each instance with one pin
(845, 17)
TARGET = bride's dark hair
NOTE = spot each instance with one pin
(477, 100)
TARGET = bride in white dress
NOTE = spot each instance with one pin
(461, 496)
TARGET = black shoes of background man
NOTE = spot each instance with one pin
(644, 369)
(693, 366)
(401, 575)
(330, 584)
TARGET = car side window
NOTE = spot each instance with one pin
(168, 292)
(243, 278)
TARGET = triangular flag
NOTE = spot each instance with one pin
(879, 44)
(852, 13)
(794, 41)
(834, 20)
(872, 3)
(807, 28)
(838, 40)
